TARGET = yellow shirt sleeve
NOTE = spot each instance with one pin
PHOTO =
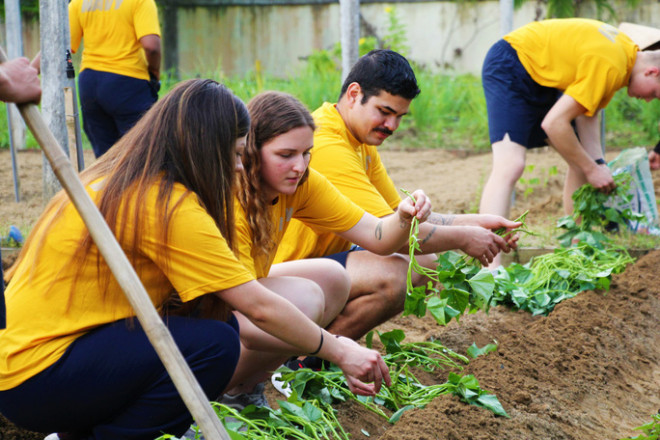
(316, 204)
(587, 59)
(44, 316)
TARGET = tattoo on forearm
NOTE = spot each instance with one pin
(378, 232)
(428, 236)
(403, 224)
(439, 219)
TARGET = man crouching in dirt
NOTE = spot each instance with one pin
(375, 96)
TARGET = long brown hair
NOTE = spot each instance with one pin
(187, 137)
(272, 114)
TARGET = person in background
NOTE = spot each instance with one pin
(376, 94)
(120, 71)
(648, 39)
(166, 190)
(277, 186)
(544, 84)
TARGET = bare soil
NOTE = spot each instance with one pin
(589, 370)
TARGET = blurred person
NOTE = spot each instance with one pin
(544, 84)
(120, 71)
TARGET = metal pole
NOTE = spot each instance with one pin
(15, 124)
(73, 116)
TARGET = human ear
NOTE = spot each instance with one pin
(353, 92)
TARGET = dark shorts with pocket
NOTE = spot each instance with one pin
(516, 103)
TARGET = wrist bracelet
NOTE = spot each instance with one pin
(601, 161)
(320, 345)
(657, 148)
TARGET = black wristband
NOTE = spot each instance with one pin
(320, 345)
(601, 161)
(657, 148)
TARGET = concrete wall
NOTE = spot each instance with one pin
(234, 39)
(442, 35)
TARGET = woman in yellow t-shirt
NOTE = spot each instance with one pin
(276, 185)
(72, 357)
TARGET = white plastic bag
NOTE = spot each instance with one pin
(635, 162)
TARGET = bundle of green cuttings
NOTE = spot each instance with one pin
(308, 413)
(586, 260)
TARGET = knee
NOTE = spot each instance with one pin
(336, 283)
(391, 289)
(312, 299)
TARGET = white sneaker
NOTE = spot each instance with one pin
(52, 436)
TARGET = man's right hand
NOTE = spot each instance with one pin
(600, 177)
(482, 243)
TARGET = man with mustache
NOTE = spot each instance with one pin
(374, 97)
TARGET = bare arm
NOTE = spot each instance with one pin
(280, 318)
(386, 235)
(557, 125)
(152, 51)
(19, 82)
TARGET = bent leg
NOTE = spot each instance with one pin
(378, 291)
(262, 353)
(331, 276)
(110, 383)
(508, 166)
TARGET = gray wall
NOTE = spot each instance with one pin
(236, 38)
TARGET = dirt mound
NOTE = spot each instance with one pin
(589, 370)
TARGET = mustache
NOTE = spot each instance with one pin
(384, 130)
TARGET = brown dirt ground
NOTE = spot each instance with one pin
(590, 370)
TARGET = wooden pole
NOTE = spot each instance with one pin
(53, 30)
(159, 336)
(349, 17)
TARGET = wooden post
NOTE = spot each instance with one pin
(349, 16)
(159, 336)
(14, 121)
(54, 31)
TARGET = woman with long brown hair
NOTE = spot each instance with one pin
(73, 359)
(276, 185)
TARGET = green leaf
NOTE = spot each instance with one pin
(397, 415)
(491, 402)
(473, 351)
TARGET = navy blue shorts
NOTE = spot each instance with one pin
(516, 103)
(110, 384)
(341, 257)
(111, 104)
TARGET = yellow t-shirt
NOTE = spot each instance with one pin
(41, 323)
(112, 30)
(587, 59)
(355, 169)
(316, 203)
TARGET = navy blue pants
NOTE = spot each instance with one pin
(111, 104)
(516, 103)
(111, 385)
